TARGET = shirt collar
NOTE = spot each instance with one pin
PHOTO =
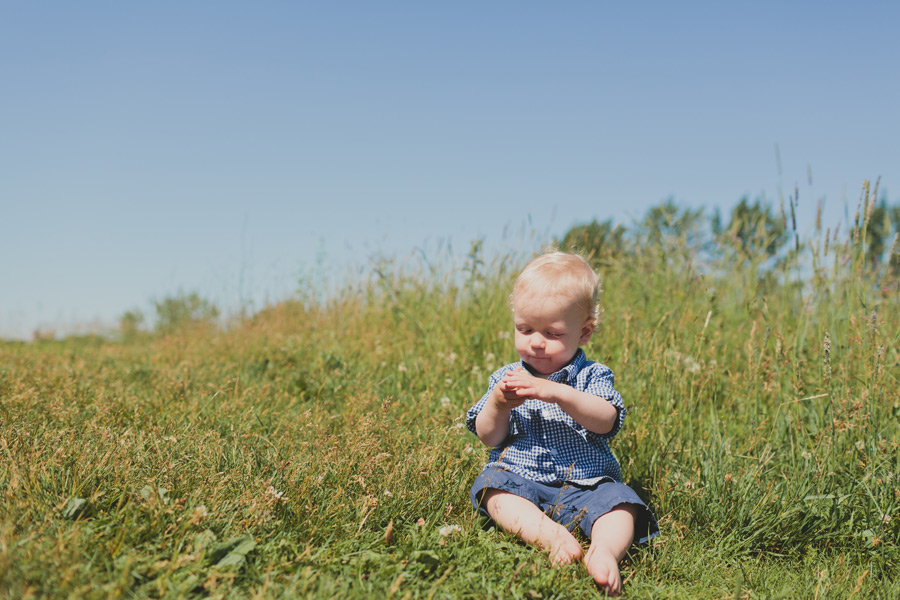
(570, 371)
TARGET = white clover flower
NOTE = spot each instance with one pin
(449, 530)
(503, 335)
(401, 367)
(805, 455)
(445, 401)
(860, 445)
(279, 496)
(388, 493)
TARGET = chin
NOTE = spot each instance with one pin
(543, 365)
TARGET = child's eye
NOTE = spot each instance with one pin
(553, 335)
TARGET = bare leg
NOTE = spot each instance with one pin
(611, 536)
(523, 518)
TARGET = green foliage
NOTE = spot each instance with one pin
(130, 323)
(881, 221)
(597, 242)
(317, 449)
(755, 230)
(175, 312)
(669, 223)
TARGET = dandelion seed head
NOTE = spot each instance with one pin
(688, 363)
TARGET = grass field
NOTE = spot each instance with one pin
(316, 449)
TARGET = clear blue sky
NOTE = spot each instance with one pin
(147, 148)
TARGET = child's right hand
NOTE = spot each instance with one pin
(505, 396)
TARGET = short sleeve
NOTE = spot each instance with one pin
(599, 381)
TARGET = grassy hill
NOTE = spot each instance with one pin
(317, 448)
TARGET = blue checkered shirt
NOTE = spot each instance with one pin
(544, 443)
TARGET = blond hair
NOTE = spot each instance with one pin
(559, 274)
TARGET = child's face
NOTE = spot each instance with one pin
(549, 331)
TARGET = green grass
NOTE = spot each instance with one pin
(270, 458)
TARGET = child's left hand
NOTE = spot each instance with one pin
(527, 385)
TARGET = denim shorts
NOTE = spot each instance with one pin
(569, 504)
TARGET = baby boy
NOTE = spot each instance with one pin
(549, 419)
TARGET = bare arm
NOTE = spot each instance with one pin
(492, 423)
(599, 417)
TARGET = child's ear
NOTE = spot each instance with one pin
(587, 330)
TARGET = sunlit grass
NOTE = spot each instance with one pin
(316, 449)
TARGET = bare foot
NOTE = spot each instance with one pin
(564, 549)
(522, 517)
(602, 565)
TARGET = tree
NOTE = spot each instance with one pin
(878, 231)
(175, 312)
(754, 229)
(130, 323)
(595, 241)
(666, 222)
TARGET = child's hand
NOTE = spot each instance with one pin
(505, 396)
(526, 385)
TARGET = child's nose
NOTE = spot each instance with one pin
(537, 341)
